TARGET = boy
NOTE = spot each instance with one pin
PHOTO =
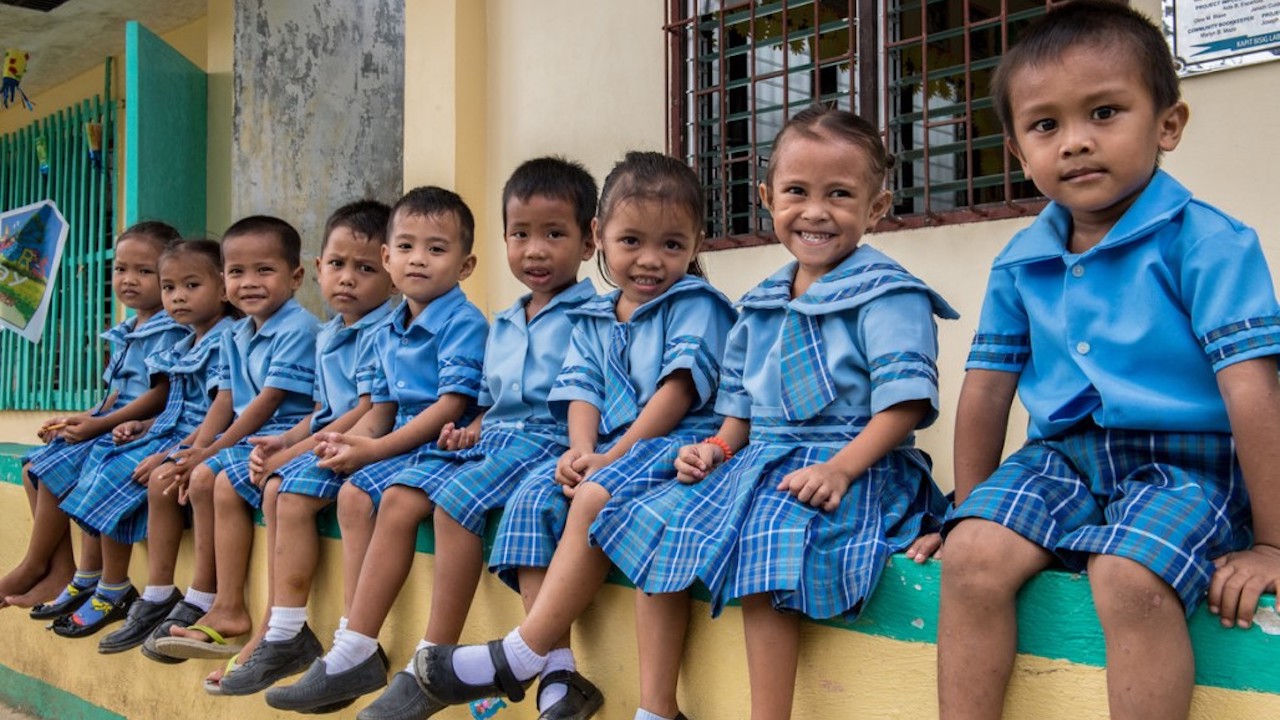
(270, 358)
(356, 286)
(1138, 326)
(548, 204)
(427, 376)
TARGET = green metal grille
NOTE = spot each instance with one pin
(63, 371)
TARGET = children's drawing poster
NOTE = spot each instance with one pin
(31, 242)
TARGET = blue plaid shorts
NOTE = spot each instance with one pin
(301, 476)
(234, 461)
(376, 477)
(1169, 501)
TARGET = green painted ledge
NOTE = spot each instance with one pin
(1056, 617)
(36, 697)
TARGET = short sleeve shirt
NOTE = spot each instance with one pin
(281, 354)
(131, 345)
(341, 351)
(198, 367)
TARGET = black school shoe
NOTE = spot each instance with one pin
(581, 699)
(183, 614)
(54, 610)
(402, 700)
(143, 618)
(320, 692)
(271, 662)
(66, 626)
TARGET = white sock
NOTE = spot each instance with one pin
(200, 598)
(349, 650)
(157, 593)
(285, 623)
(342, 627)
(642, 714)
(474, 666)
(558, 659)
(421, 644)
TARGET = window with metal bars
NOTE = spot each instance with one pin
(737, 69)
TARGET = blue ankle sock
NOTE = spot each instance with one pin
(83, 581)
(100, 604)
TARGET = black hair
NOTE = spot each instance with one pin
(657, 177)
(362, 217)
(1097, 24)
(290, 240)
(159, 234)
(208, 250)
(557, 178)
(432, 201)
(819, 121)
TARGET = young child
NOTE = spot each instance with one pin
(428, 375)
(1138, 326)
(643, 363)
(356, 286)
(548, 204)
(110, 498)
(50, 473)
(270, 358)
(828, 373)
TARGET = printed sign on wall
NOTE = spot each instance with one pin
(31, 242)
(1207, 35)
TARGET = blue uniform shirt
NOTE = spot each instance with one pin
(341, 350)
(199, 368)
(281, 355)
(522, 360)
(127, 372)
(876, 340)
(682, 329)
(441, 351)
(1131, 332)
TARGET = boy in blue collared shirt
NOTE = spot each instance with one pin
(428, 375)
(270, 357)
(1139, 326)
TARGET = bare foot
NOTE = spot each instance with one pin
(43, 590)
(227, 624)
(20, 580)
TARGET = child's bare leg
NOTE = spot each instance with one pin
(773, 650)
(233, 539)
(459, 562)
(661, 623)
(115, 561)
(204, 575)
(48, 563)
(356, 519)
(295, 564)
(985, 566)
(1150, 667)
(270, 515)
(164, 535)
(394, 533)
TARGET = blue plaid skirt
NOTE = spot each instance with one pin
(58, 465)
(375, 478)
(469, 483)
(1169, 501)
(107, 500)
(234, 461)
(302, 476)
(740, 536)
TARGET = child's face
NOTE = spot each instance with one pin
(647, 245)
(1087, 131)
(545, 246)
(823, 197)
(192, 290)
(352, 278)
(135, 276)
(425, 257)
(259, 279)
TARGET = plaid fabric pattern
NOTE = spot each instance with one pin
(234, 461)
(740, 536)
(531, 526)
(301, 476)
(107, 496)
(1169, 501)
(807, 385)
(621, 401)
(374, 478)
(57, 465)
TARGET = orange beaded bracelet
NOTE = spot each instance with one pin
(724, 446)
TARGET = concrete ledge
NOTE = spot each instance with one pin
(880, 666)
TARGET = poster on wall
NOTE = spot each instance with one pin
(31, 242)
(1207, 35)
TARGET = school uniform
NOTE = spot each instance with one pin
(282, 355)
(617, 367)
(345, 357)
(107, 500)
(440, 352)
(1116, 351)
(519, 435)
(808, 373)
(58, 464)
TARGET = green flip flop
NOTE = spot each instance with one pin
(216, 647)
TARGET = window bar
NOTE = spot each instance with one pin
(723, 190)
(924, 107)
(971, 199)
(866, 36)
(754, 141)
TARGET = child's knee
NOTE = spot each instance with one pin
(983, 557)
(354, 504)
(293, 509)
(224, 493)
(200, 485)
(404, 505)
(1125, 591)
(590, 498)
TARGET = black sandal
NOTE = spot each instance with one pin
(433, 669)
(581, 699)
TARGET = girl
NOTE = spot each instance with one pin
(643, 363)
(111, 497)
(75, 441)
(828, 372)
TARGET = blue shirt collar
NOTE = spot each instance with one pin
(1046, 238)
(433, 316)
(130, 330)
(281, 318)
(575, 295)
(369, 319)
(606, 305)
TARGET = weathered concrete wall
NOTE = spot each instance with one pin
(319, 110)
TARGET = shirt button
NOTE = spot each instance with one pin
(400, 383)
(404, 341)
(1077, 270)
(515, 387)
(1082, 348)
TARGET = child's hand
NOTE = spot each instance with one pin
(345, 454)
(263, 448)
(821, 486)
(80, 428)
(926, 546)
(695, 462)
(586, 465)
(51, 428)
(142, 473)
(453, 437)
(1240, 579)
(126, 431)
